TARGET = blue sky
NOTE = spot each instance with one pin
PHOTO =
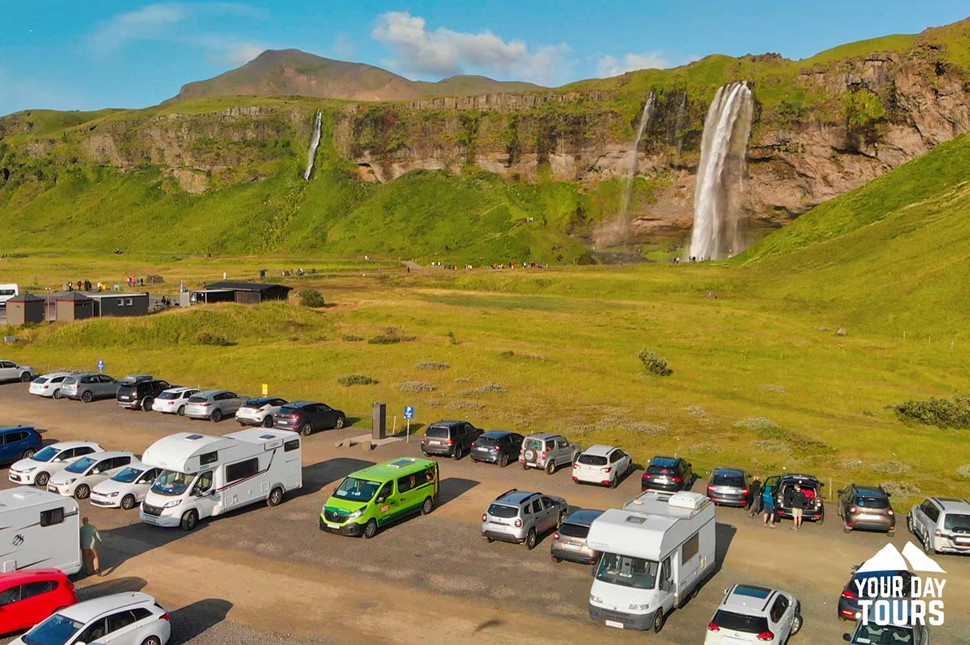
(71, 54)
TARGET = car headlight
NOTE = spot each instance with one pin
(355, 514)
(68, 482)
(172, 504)
(595, 599)
(115, 494)
(641, 607)
(29, 469)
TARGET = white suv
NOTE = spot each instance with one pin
(604, 465)
(121, 619)
(750, 614)
(942, 524)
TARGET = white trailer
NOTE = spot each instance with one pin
(39, 529)
(656, 552)
(205, 475)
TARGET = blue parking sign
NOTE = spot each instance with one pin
(408, 412)
(100, 365)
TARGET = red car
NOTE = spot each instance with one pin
(27, 597)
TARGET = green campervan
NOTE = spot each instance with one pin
(381, 494)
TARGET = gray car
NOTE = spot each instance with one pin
(569, 541)
(519, 516)
(548, 451)
(214, 405)
(88, 387)
(942, 524)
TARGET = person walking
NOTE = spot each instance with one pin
(797, 507)
(768, 502)
(754, 497)
(90, 541)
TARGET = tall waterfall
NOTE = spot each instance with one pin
(720, 175)
(314, 143)
(627, 195)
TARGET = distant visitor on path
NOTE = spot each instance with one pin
(90, 541)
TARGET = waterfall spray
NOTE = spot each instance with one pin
(314, 143)
(627, 195)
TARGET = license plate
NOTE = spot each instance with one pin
(148, 518)
(332, 526)
(613, 623)
(572, 547)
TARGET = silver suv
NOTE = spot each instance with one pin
(942, 524)
(548, 451)
(518, 516)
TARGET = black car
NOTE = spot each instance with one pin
(728, 486)
(860, 585)
(497, 448)
(784, 486)
(449, 438)
(139, 392)
(667, 473)
(306, 416)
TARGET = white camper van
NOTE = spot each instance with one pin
(8, 291)
(656, 551)
(205, 475)
(38, 530)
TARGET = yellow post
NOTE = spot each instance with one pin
(265, 389)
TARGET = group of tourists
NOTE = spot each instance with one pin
(761, 501)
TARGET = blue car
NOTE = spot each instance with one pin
(18, 442)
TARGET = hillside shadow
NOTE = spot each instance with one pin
(320, 475)
(454, 487)
(108, 587)
(192, 621)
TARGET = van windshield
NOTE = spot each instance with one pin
(357, 490)
(127, 475)
(46, 454)
(172, 484)
(80, 465)
(959, 523)
(627, 572)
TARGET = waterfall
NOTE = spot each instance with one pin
(720, 175)
(678, 136)
(314, 142)
(627, 195)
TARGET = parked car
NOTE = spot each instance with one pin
(942, 524)
(518, 516)
(32, 595)
(127, 488)
(899, 631)
(18, 442)
(750, 614)
(88, 387)
(569, 540)
(140, 394)
(497, 447)
(10, 371)
(50, 460)
(173, 400)
(214, 405)
(604, 465)
(812, 488)
(131, 618)
(306, 416)
(77, 479)
(866, 507)
(728, 486)
(852, 594)
(668, 473)
(449, 438)
(259, 412)
(49, 385)
(548, 451)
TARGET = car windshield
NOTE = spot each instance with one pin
(171, 483)
(197, 398)
(357, 490)
(592, 460)
(169, 395)
(40, 380)
(740, 622)
(127, 475)
(80, 465)
(535, 444)
(486, 441)
(728, 480)
(503, 511)
(56, 630)
(628, 572)
(654, 469)
(127, 388)
(439, 432)
(46, 454)
(573, 530)
(70, 380)
(959, 523)
(872, 634)
(872, 502)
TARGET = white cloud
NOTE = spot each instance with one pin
(444, 52)
(611, 66)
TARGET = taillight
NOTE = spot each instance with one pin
(766, 636)
(555, 536)
(518, 523)
(853, 509)
(848, 593)
(474, 445)
(484, 517)
(710, 489)
(675, 479)
(713, 627)
(451, 442)
(543, 454)
(847, 613)
(163, 616)
(647, 476)
(744, 492)
(891, 513)
(608, 469)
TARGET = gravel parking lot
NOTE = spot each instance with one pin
(268, 575)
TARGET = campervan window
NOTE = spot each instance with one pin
(626, 571)
(241, 470)
(209, 457)
(291, 445)
(690, 548)
(52, 516)
(172, 484)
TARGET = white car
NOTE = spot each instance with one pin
(10, 371)
(49, 385)
(173, 400)
(127, 488)
(259, 412)
(750, 614)
(605, 465)
(82, 474)
(119, 619)
(50, 460)
(214, 405)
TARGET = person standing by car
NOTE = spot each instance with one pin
(768, 502)
(755, 497)
(797, 506)
(90, 541)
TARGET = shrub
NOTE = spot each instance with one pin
(416, 386)
(890, 468)
(350, 338)
(942, 413)
(654, 363)
(207, 338)
(311, 298)
(432, 366)
(390, 336)
(356, 379)
(488, 388)
(901, 489)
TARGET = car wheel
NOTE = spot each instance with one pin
(339, 423)
(152, 640)
(216, 415)
(275, 497)
(82, 491)
(613, 482)
(525, 466)
(891, 532)
(503, 461)
(146, 405)
(128, 502)
(796, 624)
(306, 429)
(57, 394)
(821, 520)
(87, 397)
(489, 540)
(181, 411)
(456, 454)
(268, 421)
(41, 479)
(28, 454)
(370, 529)
(846, 529)
(556, 560)
(926, 545)
(25, 377)
(658, 620)
(530, 539)
(428, 506)
(189, 520)
(550, 467)
(909, 524)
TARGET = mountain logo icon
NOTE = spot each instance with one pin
(911, 559)
(18, 539)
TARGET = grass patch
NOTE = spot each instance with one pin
(207, 338)
(356, 379)
(416, 386)
(350, 338)
(431, 365)
(390, 336)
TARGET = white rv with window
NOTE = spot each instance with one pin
(38, 530)
(656, 552)
(205, 475)
(8, 291)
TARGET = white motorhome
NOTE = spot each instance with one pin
(39, 530)
(656, 552)
(207, 475)
(8, 291)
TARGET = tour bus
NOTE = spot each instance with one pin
(656, 552)
(206, 475)
(39, 530)
(8, 291)
(381, 494)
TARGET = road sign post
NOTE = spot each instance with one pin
(100, 366)
(408, 414)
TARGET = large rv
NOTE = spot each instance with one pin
(656, 551)
(8, 291)
(205, 476)
(39, 530)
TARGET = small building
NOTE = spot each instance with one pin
(120, 304)
(25, 309)
(249, 293)
(73, 305)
